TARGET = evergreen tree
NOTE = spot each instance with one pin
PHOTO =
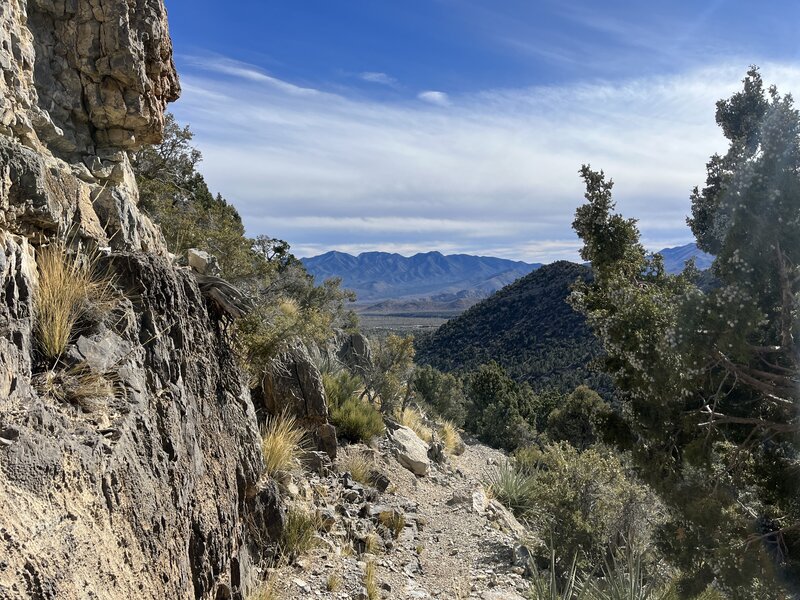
(709, 378)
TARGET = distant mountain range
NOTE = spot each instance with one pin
(432, 281)
(675, 258)
(459, 279)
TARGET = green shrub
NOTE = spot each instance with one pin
(443, 392)
(500, 408)
(587, 502)
(339, 387)
(579, 419)
(357, 421)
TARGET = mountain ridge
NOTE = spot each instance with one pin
(380, 276)
(432, 280)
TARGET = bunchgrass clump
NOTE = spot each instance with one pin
(394, 521)
(281, 443)
(333, 583)
(371, 581)
(298, 534)
(412, 418)
(70, 290)
(357, 421)
(266, 590)
(78, 385)
(359, 465)
(514, 489)
(450, 438)
(372, 543)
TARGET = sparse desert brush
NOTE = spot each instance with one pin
(413, 419)
(359, 465)
(357, 421)
(450, 438)
(281, 443)
(298, 533)
(71, 288)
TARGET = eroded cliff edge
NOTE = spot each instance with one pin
(156, 491)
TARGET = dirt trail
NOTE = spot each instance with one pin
(457, 543)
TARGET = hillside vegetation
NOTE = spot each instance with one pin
(528, 328)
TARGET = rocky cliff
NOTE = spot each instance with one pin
(153, 489)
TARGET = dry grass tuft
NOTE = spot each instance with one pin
(333, 583)
(413, 419)
(359, 465)
(451, 439)
(77, 385)
(394, 521)
(70, 290)
(372, 543)
(282, 443)
(298, 533)
(266, 590)
(371, 581)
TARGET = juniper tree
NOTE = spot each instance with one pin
(709, 378)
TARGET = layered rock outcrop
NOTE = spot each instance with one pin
(155, 489)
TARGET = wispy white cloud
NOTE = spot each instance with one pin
(377, 77)
(434, 97)
(496, 173)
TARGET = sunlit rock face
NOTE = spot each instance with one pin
(80, 75)
(155, 489)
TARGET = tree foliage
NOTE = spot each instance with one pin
(709, 376)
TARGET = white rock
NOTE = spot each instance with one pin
(410, 450)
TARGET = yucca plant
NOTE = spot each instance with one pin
(549, 586)
(513, 488)
(625, 577)
(282, 441)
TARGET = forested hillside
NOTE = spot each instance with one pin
(528, 328)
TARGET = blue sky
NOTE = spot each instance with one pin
(460, 125)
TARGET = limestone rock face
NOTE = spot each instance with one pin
(85, 74)
(152, 487)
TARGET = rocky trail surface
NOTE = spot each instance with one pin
(455, 543)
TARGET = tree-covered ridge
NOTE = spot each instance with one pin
(528, 328)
